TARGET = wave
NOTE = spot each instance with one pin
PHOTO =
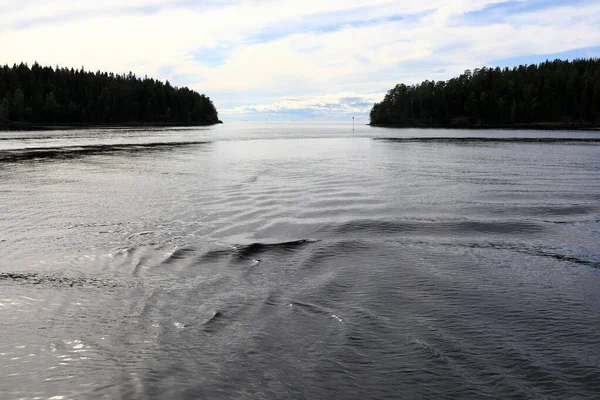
(248, 255)
(26, 138)
(528, 249)
(179, 254)
(545, 140)
(213, 318)
(315, 309)
(437, 227)
(248, 251)
(536, 251)
(58, 280)
(68, 152)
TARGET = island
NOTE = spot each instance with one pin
(39, 97)
(551, 95)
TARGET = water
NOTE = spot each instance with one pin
(299, 260)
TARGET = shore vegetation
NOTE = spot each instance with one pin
(45, 96)
(553, 94)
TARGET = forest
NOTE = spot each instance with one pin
(554, 94)
(48, 96)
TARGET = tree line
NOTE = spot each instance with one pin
(553, 93)
(45, 95)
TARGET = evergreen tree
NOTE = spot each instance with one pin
(551, 92)
(4, 111)
(41, 95)
(51, 107)
(18, 105)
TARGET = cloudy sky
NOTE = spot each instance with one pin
(300, 59)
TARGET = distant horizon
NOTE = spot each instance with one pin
(256, 119)
(273, 59)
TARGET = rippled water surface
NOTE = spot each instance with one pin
(299, 260)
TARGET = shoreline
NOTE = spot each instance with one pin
(60, 127)
(537, 127)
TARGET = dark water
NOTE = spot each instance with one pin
(299, 261)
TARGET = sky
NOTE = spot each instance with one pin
(300, 59)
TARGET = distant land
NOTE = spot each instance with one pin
(39, 97)
(551, 95)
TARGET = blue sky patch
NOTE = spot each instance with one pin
(589, 52)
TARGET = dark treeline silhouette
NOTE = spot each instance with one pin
(43, 95)
(553, 93)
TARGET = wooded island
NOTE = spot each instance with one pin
(553, 94)
(43, 96)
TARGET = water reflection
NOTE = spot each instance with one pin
(299, 261)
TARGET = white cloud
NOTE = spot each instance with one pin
(339, 103)
(278, 49)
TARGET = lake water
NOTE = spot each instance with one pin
(299, 260)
